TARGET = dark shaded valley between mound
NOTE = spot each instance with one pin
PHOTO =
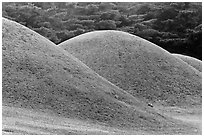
(101, 82)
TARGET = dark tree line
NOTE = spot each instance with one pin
(175, 26)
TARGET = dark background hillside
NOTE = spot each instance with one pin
(176, 27)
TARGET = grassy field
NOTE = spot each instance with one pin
(46, 90)
(21, 121)
(140, 67)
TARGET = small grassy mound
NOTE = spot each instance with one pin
(140, 67)
(197, 64)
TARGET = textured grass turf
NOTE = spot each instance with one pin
(197, 64)
(138, 66)
(38, 75)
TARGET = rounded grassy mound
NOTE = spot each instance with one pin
(196, 63)
(36, 74)
(138, 66)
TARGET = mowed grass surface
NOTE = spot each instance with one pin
(27, 121)
(18, 121)
(140, 67)
(23, 121)
(197, 64)
(39, 76)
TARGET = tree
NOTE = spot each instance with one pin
(65, 35)
(49, 33)
(104, 6)
(110, 15)
(91, 9)
(145, 8)
(106, 25)
(124, 21)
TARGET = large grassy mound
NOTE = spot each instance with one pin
(138, 66)
(197, 64)
(36, 74)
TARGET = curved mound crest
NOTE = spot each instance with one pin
(197, 64)
(138, 66)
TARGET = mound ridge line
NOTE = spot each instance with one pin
(138, 66)
(195, 63)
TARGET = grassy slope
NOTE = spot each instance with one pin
(38, 75)
(138, 66)
(197, 64)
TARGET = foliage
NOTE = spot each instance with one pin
(106, 25)
(171, 25)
